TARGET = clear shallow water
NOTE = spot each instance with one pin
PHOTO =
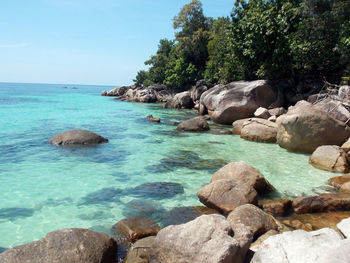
(44, 188)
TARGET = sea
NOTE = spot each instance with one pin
(146, 169)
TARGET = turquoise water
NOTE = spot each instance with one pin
(44, 188)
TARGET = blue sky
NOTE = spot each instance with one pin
(85, 41)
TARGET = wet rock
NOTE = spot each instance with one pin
(297, 246)
(237, 100)
(330, 158)
(206, 239)
(304, 128)
(345, 188)
(237, 126)
(344, 227)
(67, 245)
(322, 203)
(276, 206)
(244, 172)
(262, 113)
(225, 195)
(137, 228)
(337, 181)
(13, 213)
(253, 218)
(140, 251)
(77, 137)
(152, 119)
(259, 130)
(157, 190)
(184, 214)
(194, 125)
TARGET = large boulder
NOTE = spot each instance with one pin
(305, 127)
(246, 173)
(116, 92)
(195, 125)
(237, 100)
(77, 137)
(330, 158)
(238, 125)
(334, 108)
(181, 100)
(225, 195)
(298, 246)
(206, 239)
(253, 218)
(344, 227)
(322, 203)
(259, 130)
(67, 245)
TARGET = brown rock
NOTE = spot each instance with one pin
(330, 158)
(262, 113)
(305, 127)
(246, 173)
(237, 126)
(140, 251)
(77, 137)
(152, 119)
(322, 203)
(337, 181)
(276, 206)
(259, 130)
(226, 195)
(297, 224)
(254, 218)
(277, 111)
(345, 188)
(137, 228)
(195, 125)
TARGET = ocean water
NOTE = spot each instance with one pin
(146, 169)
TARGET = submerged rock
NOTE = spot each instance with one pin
(12, 213)
(67, 245)
(225, 195)
(237, 100)
(77, 137)
(157, 190)
(259, 130)
(194, 125)
(305, 127)
(137, 228)
(297, 247)
(246, 173)
(331, 158)
(207, 239)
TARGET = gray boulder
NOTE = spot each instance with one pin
(331, 158)
(225, 195)
(67, 245)
(140, 251)
(259, 130)
(116, 92)
(246, 173)
(298, 246)
(344, 227)
(77, 137)
(181, 100)
(207, 239)
(194, 125)
(305, 127)
(334, 108)
(277, 111)
(338, 254)
(237, 100)
(198, 90)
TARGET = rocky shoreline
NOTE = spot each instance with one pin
(240, 224)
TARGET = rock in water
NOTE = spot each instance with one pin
(338, 181)
(331, 158)
(226, 195)
(246, 173)
(305, 127)
(259, 130)
(237, 100)
(181, 100)
(195, 125)
(77, 137)
(68, 245)
(238, 125)
(152, 119)
(207, 239)
(140, 251)
(298, 246)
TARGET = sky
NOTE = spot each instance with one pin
(102, 42)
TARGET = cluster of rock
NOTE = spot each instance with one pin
(136, 93)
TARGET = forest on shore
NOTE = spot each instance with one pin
(259, 39)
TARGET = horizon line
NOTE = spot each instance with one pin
(70, 84)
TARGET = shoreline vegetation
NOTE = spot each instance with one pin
(294, 57)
